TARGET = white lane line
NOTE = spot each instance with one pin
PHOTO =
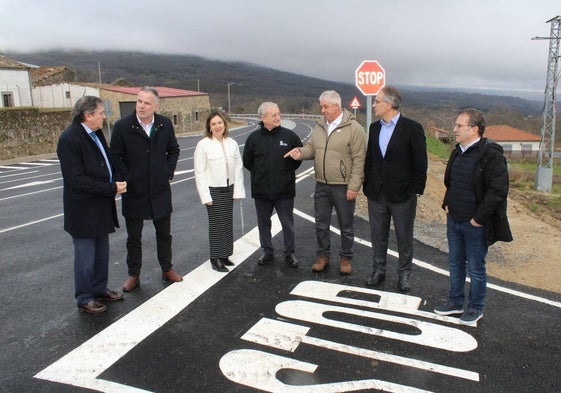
(32, 184)
(30, 223)
(30, 193)
(83, 365)
(183, 172)
(444, 272)
(35, 164)
(17, 174)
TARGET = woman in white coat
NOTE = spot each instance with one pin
(219, 179)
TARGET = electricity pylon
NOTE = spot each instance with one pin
(544, 171)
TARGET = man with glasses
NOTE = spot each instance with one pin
(89, 192)
(395, 173)
(475, 202)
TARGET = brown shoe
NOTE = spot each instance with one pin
(321, 263)
(131, 283)
(345, 266)
(110, 295)
(172, 276)
(92, 307)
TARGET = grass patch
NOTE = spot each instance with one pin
(438, 148)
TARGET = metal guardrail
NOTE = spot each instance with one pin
(283, 115)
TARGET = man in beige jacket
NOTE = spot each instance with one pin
(338, 148)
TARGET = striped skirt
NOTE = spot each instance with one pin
(220, 223)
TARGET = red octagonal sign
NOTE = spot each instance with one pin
(370, 77)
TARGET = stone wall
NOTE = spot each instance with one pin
(30, 131)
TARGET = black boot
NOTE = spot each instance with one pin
(227, 262)
(218, 265)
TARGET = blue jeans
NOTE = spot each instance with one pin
(467, 247)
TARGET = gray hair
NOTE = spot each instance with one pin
(85, 105)
(330, 96)
(392, 96)
(150, 89)
(263, 108)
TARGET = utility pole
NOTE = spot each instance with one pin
(544, 171)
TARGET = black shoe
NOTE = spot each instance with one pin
(218, 265)
(403, 283)
(291, 260)
(227, 262)
(266, 259)
(375, 279)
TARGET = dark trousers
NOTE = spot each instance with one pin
(134, 243)
(264, 210)
(327, 197)
(380, 212)
(91, 267)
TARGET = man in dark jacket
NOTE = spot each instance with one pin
(273, 178)
(395, 173)
(89, 194)
(476, 180)
(145, 152)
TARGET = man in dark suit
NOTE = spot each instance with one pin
(395, 174)
(89, 194)
(145, 152)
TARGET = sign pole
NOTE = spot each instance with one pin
(368, 112)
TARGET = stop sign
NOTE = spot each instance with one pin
(370, 77)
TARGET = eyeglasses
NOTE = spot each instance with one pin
(462, 125)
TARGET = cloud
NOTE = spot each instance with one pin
(475, 43)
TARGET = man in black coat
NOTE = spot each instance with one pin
(273, 179)
(475, 202)
(145, 152)
(395, 173)
(89, 194)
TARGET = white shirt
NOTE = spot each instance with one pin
(464, 148)
(210, 167)
(146, 127)
(334, 124)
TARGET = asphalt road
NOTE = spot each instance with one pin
(272, 328)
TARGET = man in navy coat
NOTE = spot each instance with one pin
(89, 194)
(395, 173)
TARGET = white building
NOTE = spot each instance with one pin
(15, 84)
(61, 95)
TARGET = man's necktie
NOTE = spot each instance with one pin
(100, 146)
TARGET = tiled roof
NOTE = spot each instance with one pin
(505, 133)
(162, 91)
(6, 62)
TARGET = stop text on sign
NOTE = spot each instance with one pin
(370, 77)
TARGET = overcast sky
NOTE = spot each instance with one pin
(441, 43)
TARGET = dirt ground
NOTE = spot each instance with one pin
(533, 258)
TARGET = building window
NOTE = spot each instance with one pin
(196, 116)
(175, 120)
(67, 94)
(526, 147)
(507, 147)
(7, 99)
